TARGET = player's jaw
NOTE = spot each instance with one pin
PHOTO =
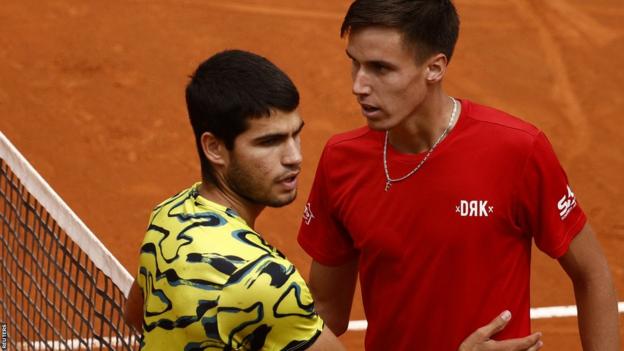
(259, 188)
(377, 117)
(281, 192)
(285, 190)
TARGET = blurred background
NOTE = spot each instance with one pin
(92, 93)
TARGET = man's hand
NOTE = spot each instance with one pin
(133, 310)
(481, 340)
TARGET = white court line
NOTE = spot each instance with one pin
(536, 313)
(357, 325)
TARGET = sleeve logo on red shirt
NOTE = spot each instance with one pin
(566, 204)
(474, 208)
(307, 214)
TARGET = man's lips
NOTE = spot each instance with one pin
(289, 180)
(369, 111)
(289, 175)
(368, 107)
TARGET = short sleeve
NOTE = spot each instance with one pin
(267, 305)
(548, 208)
(320, 234)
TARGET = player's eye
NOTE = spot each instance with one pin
(269, 141)
(379, 67)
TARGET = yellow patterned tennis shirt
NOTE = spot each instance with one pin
(210, 282)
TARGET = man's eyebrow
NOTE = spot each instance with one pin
(350, 56)
(374, 62)
(300, 128)
(279, 135)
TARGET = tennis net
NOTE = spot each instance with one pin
(60, 288)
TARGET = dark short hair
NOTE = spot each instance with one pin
(227, 90)
(428, 26)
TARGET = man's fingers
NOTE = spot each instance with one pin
(483, 334)
(528, 343)
(481, 338)
(537, 346)
(496, 325)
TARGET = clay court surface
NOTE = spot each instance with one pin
(92, 94)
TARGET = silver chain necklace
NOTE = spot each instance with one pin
(389, 180)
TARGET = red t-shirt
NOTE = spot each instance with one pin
(446, 250)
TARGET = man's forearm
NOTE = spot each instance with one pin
(133, 310)
(598, 315)
(333, 289)
(588, 269)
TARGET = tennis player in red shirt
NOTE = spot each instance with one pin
(436, 201)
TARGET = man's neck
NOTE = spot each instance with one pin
(246, 210)
(418, 132)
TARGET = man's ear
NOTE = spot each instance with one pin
(214, 149)
(436, 68)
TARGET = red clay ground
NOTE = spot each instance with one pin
(92, 94)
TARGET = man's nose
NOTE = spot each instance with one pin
(361, 84)
(292, 155)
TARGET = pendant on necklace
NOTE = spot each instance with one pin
(388, 184)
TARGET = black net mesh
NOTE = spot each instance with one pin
(52, 296)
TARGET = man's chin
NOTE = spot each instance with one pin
(282, 201)
(379, 126)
